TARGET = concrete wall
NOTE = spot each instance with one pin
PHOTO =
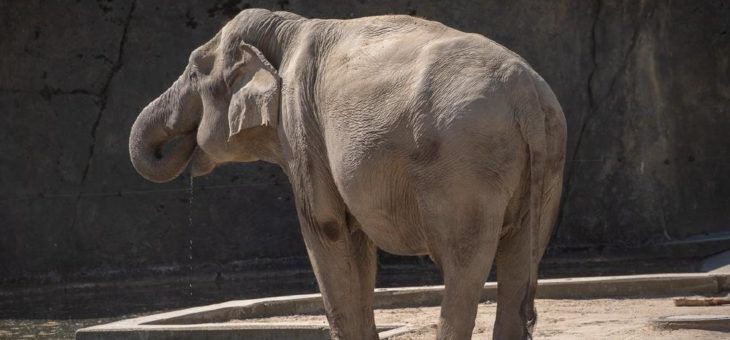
(645, 86)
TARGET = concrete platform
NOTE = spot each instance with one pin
(214, 321)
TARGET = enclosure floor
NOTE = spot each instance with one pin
(558, 319)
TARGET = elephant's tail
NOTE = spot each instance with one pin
(531, 117)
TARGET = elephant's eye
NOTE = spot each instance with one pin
(202, 63)
(193, 74)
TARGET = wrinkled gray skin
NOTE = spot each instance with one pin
(395, 132)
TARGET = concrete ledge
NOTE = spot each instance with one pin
(253, 331)
(213, 321)
(632, 286)
(651, 285)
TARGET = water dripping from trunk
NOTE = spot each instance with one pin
(190, 242)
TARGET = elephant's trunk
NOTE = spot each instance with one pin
(171, 115)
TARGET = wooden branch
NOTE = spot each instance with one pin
(702, 301)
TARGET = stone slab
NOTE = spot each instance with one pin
(249, 331)
(213, 321)
(631, 286)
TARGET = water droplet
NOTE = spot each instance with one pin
(190, 241)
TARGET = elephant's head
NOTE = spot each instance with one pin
(223, 108)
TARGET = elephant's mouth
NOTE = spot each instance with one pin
(201, 163)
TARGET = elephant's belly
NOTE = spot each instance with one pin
(378, 190)
(395, 238)
(388, 214)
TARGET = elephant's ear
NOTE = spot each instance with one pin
(256, 88)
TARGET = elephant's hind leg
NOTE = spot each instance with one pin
(515, 303)
(516, 314)
(463, 242)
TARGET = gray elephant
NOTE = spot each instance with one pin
(395, 132)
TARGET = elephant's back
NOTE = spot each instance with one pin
(402, 85)
(390, 66)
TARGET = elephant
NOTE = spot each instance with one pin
(396, 133)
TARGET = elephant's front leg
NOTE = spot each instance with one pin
(343, 259)
(342, 256)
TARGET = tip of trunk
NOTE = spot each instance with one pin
(157, 166)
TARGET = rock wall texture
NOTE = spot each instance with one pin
(645, 86)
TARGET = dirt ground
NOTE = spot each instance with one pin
(558, 319)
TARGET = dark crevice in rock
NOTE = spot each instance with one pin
(592, 107)
(103, 98)
(595, 106)
(594, 53)
(584, 121)
(103, 93)
(622, 68)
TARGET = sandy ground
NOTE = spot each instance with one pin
(558, 319)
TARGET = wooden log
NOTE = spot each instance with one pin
(702, 301)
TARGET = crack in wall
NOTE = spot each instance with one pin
(584, 120)
(593, 105)
(102, 95)
(594, 54)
